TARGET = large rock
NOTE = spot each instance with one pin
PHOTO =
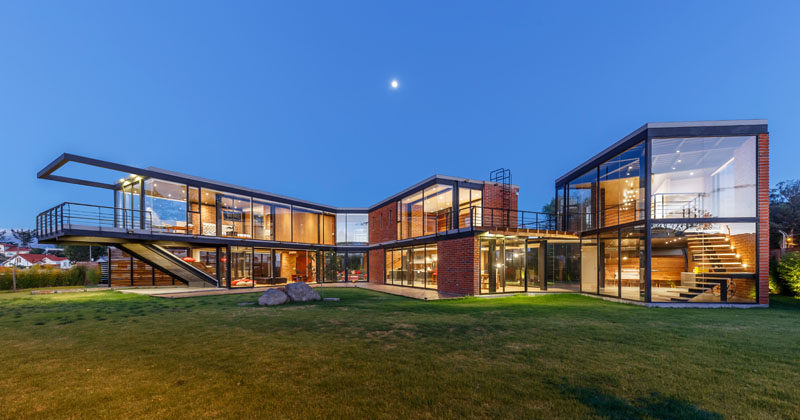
(272, 297)
(301, 292)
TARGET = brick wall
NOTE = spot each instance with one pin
(459, 267)
(493, 198)
(763, 218)
(376, 266)
(383, 224)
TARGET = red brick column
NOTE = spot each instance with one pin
(459, 265)
(383, 224)
(376, 266)
(763, 218)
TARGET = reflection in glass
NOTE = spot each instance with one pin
(283, 223)
(632, 253)
(609, 263)
(166, 202)
(262, 220)
(621, 189)
(235, 216)
(241, 266)
(589, 265)
(305, 226)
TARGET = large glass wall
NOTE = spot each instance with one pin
(426, 212)
(414, 266)
(193, 212)
(703, 177)
(241, 266)
(166, 202)
(235, 216)
(589, 265)
(503, 265)
(582, 195)
(305, 226)
(705, 262)
(128, 205)
(328, 231)
(563, 265)
(470, 203)
(262, 220)
(352, 228)
(262, 267)
(621, 187)
(283, 223)
(632, 263)
(208, 212)
(608, 247)
(350, 266)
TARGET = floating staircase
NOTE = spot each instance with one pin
(711, 257)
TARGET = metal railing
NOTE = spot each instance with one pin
(489, 217)
(677, 205)
(90, 217)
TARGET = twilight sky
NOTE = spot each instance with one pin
(294, 97)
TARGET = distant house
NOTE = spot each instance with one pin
(10, 250)
(29, 260)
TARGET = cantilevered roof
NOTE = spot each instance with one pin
(48, 173)
(669, 129)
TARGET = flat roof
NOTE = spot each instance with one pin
(676, 128)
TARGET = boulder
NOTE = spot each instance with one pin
(301, 292)
(272, 297)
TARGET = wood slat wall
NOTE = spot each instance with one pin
(125, 270)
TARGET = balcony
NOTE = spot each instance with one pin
(54, 222)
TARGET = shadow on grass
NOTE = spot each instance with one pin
(656, 405)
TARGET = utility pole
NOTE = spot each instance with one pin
(14, 272)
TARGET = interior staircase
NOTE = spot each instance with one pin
(711, 257)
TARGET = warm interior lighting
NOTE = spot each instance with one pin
(724, 165)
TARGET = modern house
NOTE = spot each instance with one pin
(673, 213)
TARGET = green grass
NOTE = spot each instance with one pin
(107, 354)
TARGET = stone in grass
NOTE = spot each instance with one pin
(301, 292)
(272, 297)
(331, 299)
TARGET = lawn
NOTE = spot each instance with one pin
(107, 354)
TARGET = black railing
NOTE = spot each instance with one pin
(90, 217)
(488, 217)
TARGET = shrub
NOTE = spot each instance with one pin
(49, 277)
(788, 278)
(776, 284)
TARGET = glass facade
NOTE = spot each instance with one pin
(166, 202)
(703, 177)
(470, 206)
(352, 228)
(425, 212)
(415, 266)
(621, 188)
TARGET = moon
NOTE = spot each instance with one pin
(394, 84)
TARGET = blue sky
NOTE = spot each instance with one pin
(293, 97)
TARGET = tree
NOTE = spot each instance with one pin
(784, 211)
(37, 251)
(24, 236)
(550, 207)
(81, 252)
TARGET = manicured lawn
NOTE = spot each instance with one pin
(105, 354)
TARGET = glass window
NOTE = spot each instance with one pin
(563, 265)
(411, 216)
(389, 267)
(235, 216)
(241, 266)
(341, 227)
(193, 216)
(305, 226)
(431, 266)
(514, 265)
(438, 208)
(296, 265)
(357, 228)
(532, 257)
(329, 229)
(589, 265)
(560, 217)
(621, 188)
(708, 262)
(704, 177)
(582, 198)
(632, 264)
(208, 212)
(262, 220)
(262, 267)
(283, 223)
(204, 259)
(470, 202)
(166, 202)
(608, 245)
(418, 266)
(356, 266)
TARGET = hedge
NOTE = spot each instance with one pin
(49, 277)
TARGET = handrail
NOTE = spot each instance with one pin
(90, 217)
(509, 218)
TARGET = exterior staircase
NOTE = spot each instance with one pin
(167, 262)
(711, 258)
